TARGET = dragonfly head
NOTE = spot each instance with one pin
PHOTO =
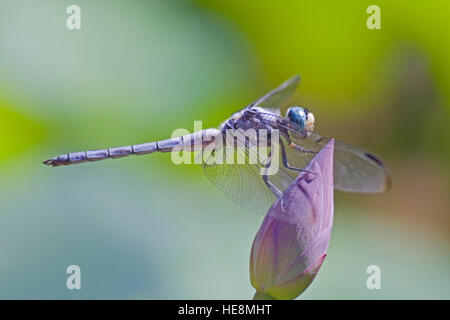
(302, 117)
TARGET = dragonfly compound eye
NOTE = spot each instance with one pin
(298, 116)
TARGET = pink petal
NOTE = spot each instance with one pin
(295, 233)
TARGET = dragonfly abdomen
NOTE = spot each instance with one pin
(96, 155)
(190, 142)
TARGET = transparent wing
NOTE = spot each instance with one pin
(355, 170)
(277, 96)
(243, 183)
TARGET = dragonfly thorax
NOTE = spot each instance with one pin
(246, 119)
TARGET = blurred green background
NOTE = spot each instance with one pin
(143, 227)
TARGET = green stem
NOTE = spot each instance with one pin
(261, 296)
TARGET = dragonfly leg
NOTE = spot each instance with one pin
(298, 148)
(266, 180)
(285, 160)
(285, 134)
(271, 186)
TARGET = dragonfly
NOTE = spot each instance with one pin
(355, 170)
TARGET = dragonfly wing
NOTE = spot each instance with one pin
(277, 96)
(355, 170)
(242, 181)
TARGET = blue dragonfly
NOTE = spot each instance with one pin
(355, 170)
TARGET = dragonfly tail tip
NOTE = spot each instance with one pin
(49, 162)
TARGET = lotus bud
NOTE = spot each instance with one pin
(291, 244)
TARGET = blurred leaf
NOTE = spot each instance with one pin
(17, 131)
